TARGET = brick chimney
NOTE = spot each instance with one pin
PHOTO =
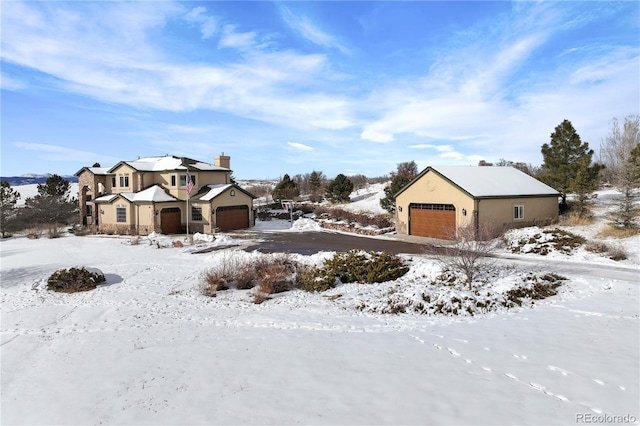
(222, 161)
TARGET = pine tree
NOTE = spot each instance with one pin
(566, 157)
(52, 206)
(315, 183)
(286, 189)
(404, 174)
(8, 199)
(339, 189)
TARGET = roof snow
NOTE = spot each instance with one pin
(169, 162)
(494, 181)
(215, 190)
(155, 194)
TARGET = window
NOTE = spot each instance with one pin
(121, 215)
(124, 181)
(89, 210)
(173, 180)
(518, 212)
(183, 180)
(113, 181)
(196, 213)
(88, 197)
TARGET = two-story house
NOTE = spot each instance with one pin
(163, 194)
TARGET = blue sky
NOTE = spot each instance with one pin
(291, 87)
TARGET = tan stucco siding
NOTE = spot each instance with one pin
(500, 212)
(124, 170)
(432, 189)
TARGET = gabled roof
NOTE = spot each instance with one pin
(490, 181)
(209, 192)
(167, 163)
(153, 194)
(94, 170)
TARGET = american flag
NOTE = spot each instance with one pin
(189, 185)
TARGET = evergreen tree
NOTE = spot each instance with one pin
(339, 189)
(55, 186)
(315, 183)
(52, 206)
(286, 189)
(8, 199)
(404, 174)
(564, 158)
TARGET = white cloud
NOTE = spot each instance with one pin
(232, 39)
(208, 24)
(311, 32)
(300, 146)
(63, 154)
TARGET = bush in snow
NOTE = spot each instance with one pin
(448, 295)
(546, 241)
(230, 272)
(314, 279)
(362, 267)
(351, 266)
(275, 273)
(73, 280)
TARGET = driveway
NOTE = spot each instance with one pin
(307, 243)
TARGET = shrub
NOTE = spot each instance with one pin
(73, 280)
(362, 267)
(275, 274)
(314, 279)
(615, 232)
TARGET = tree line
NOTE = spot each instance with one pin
(571, 167)
(52, 207)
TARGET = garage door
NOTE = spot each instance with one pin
(432, 220)
(170, 220)
(232, 217)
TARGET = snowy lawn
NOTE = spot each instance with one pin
(148, 348)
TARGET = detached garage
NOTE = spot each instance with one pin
(222, 207)
(441, 200)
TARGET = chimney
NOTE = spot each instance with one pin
(223, 161)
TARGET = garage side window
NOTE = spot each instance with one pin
(196, 213)
(518, 212)
(121, 215)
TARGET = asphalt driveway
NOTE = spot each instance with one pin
(307, 243)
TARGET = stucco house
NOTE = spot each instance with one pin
(150, 194)
(441, 200)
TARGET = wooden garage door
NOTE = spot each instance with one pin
(170, 220)
(432, 220)
(232, 217)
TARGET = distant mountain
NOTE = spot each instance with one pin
(30, 179)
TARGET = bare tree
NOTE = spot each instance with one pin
(470, 252)
(620, 151)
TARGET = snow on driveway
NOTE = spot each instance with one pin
(147, 348)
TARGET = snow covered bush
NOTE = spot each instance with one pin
(546, 241)
(448, 294)
(314, 279)
(275, 273)
(365, 267)
(73, 280)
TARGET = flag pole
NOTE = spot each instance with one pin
(188, 193)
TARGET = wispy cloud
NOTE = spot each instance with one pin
(310, 31)
(208, 24)
(63, 154)
(300, 146)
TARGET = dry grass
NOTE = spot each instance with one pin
(575, 219)
(614, 232)
(275, 273)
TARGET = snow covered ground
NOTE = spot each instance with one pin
(148, 348)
